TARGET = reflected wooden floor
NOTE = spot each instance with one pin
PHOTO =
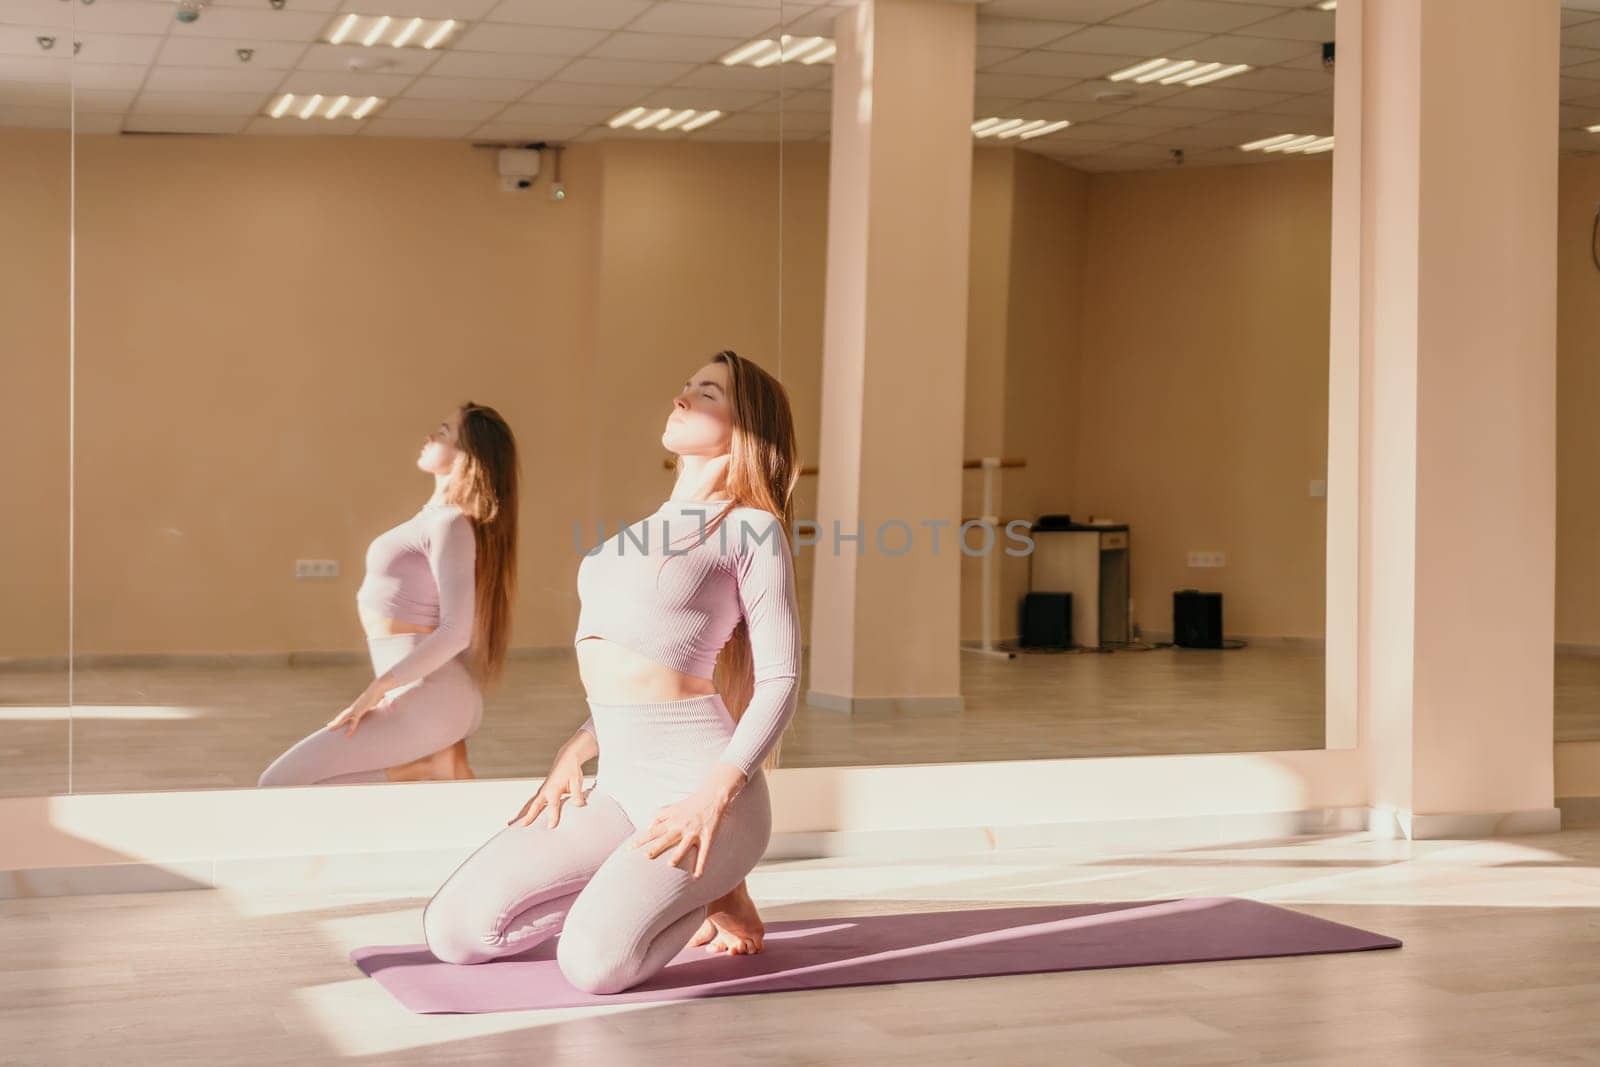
(1501, 964)
(187, 727)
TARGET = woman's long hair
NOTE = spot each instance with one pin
(762, 471)
(484, 487)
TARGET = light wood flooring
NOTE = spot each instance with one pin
(197, 727)
(1501, 964)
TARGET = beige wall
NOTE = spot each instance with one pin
(35, 221)
(1155, 344)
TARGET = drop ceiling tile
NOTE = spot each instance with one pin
(387, 127)
(624, 72)
(1584, 70)
(1165, 118)
(120, 48)
(1265, 124)
(331, 82)
(1315, 104)
(711, 20)
(428, 9)
(1202, 16)
(665, 46)
(716, 76)
(1210, 96)
(1021, 33)
(261, 24)
(219, 124)
(28, 94)
(53, 70)
(22, 41)
(1279, 80)
(1571, 88)
(429, 87)
(1067, 64)
(1572, 57)
(497, 65)
(1080, 112)
(1109, 131)
(267, 126)
(1294, 26)
(199, 103)
(1087, 92)
(212, 80)
(577, 14)
(1575, 18)
(36, 13)
(101, 75)
(822, 22)
(710, 99)
(413, 108)
(1580, 116)
(1580, 140)
(527, 40)
(368, 60)
(1256, 51)
(102, 101)
(557, 92)
(34, 118)
(1019, 86)
(1128, 41)
(524, 131)
(97, 124)
(1084, 11)
(985, 57)
(1205, 137)
(126, 17)
(557, 114)
(325, 6)
(220, 52)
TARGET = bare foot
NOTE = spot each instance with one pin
(445, 765)
(732, 925)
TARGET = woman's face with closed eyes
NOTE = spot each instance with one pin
(701, 421)
(439, 449)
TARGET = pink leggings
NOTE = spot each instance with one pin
(414, 720)
(621, 915)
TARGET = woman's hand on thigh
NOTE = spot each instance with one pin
(564, 780)
(691, 821)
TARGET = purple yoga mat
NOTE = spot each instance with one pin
(871, 949)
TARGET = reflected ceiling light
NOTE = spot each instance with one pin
(1327, 5)
(660, 119)
(1022, 129)
(1189, 72)
(1592, 129)
(1306, 143)
(766, 51)
(373, 30)
(312, 105)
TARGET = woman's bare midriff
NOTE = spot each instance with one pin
(616, 674)
(377, 626)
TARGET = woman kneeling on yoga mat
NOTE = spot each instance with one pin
(688, 645)
(436, 608)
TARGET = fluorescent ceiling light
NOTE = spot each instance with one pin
(370, 31)
(1305, 143)
(1189, 72)
(1022, 129)
(764, 51)
(663, 119)
(1327, 5)
(312, 106)
(1592, 129)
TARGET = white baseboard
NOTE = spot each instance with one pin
(429, 867)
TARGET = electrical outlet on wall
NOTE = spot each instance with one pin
(1319, 488)
(316, 568)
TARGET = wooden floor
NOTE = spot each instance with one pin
(1501, 964)
(186, 727)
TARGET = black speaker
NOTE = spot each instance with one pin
(1046, 620)
(1196, 619)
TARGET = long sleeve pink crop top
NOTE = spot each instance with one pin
(678, 604)
(422, 572)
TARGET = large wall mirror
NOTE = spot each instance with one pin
(306, 233)
(35, 383)
(1577, 622)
